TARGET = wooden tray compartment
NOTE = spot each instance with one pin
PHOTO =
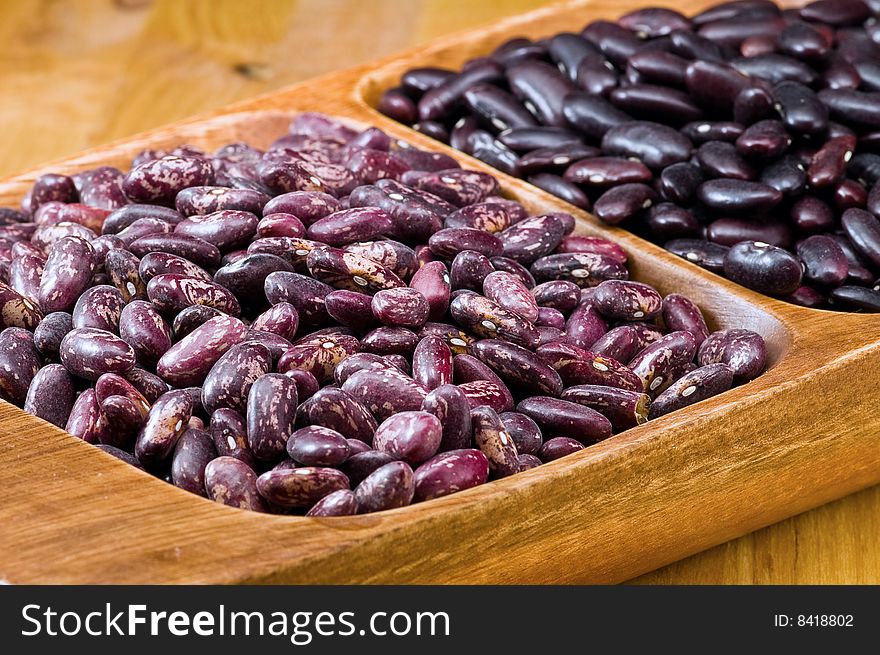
(800, 435)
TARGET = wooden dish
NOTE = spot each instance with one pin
(802, 434)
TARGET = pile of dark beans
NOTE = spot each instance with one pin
(340, 324)
(745, 139)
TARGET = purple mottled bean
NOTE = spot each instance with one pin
(488, 319)
(304, 293)
(232, 482)
(558, 447)
(743, 350)
(534, 237)
(578, 366)
(341, 502)
(432, 281)
(387, 340)
(450, 472)
(51, 395)
(271, 409)
(99, 307)
(193, 452)
(493, 440)
(225, 229)
(692, 387)
(584, 326)
(188, 361)
(388, 487)
(90, 352)
(620, 343)
(334, 408)
(624, 300)
(385, 392)
(166, 422)
(160, 180)
(680, 313)
(562, 418)
(624, 408)
(83, 419)
(432, 362)
(518, 366)
(450, 405)
(66, 274)
(400, 307)
(656, 362)
(524, 431)
(202, 200)
(124, 216)
(315, 445)
(196, 250)
(411, 436)
(468, 270)
(318, 354)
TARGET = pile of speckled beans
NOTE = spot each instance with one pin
(745, 139)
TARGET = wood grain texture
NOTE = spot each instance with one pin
(643, 499)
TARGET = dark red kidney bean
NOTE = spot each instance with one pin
(624, 300)
(623, 202)
(714, 84)
(583, 268)
(836, 12)
(561, 188)
(824, 260)
(315, 445)
(679, 183)
(615, 42)
(703, 131)
(450, 472)
(601, 172)
(591, 114)
(437, 102)
(99, 307)
(655, 363)
(681, 314)
(90, 352)
(753, 104)
(420, 80)
(743, 350)
(568, 51)
(51, 394)
(659, 102)
(852, 107)
(720, 159)
(390, 341)
(865, 167)
(656, 145)
(515, 50)
(166, 422)
(731, 32)
(810, 214)
(486, 148)
(450, 405)
(764, 268)
(524, 432)
(623, 408)
(558, 294)
(659, 67)
(692, 387)
(859, 276)
(863, 298)
(738, 196)
(869, 72)
(562, 418)
(849, 194)
(803, 41)
(126, 215)
(541, 88)
(765, 139)
(653, 21)
(412, 436)
(196, 250)
(335, 409)
(497, 108)
(518, 366)
(341, 502)
(280, 225)
(304, 293)
(67, 273)
(432, 362)
(194, 450)
(806, 297)
(493, 440)
(775, 68)
(402, 307)
(620, 343)
(488, 319)
(226, 229)
(385, 392)
(558, 447)
(432, 281)
(668, 221)
(396, 104)
(488, 393)
(351, 309)
(840, 75)
(863, 231)
(232, 482)
(730, 231)
(388, 487)
(786, 176)
(828, 166)
(526, 139)
(801, 109)
(703, 253)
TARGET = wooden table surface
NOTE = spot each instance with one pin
(77, 73)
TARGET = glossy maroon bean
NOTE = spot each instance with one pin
(196, 250)
(824, 260)
(623, 202)
(743, 350)
(315, 445)
(194, 450)
(720, 159)
(438, 101)
(449, 472)
(730, 231)
(656, 102)
(496, 107)
(623, 408)
(396, 104)
(681, 314)
(412, 436)
(584, 326)
(578, 366)
(700, 132)
(654, 144)
(738, 196)
(863, 230)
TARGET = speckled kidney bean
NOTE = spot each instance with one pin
(524, 431)
(468, 270)
(281, 319)
(334, 408)
(743, 350)
(196, 250)
(160, 180)
(90, 352)
(66, 274)
(578, 366)
(416, 214)
(229, 380)
(535, 236)
(83, 419)
(193, 452)
(304, 293)
(351, 225)
(680, 313)
(584, 326)
(341, 502)
(393, 255)
(450, 405)
(308, 206)
(280, 225)
(493, 440)
(49, 333)
(557, 294)
(765, 268)
(655, 363)
(620, 343)
(246, 277)
(508, 291)
(45, 237)
(189, 318)
(318, 355)
(271, 409)
(126, 215)
(351, 309)
(488, 319)
(400, 307)
(558, 447)
(99, 307)
(202, 200)
(624, 408)
(166, 422)
(412, 436)
(151, 386)
(18, 309)
(349, 270)
(161, 263)
(432, 362)
(229, 434)
(172, 292)
(584, 269)
(315, 445)
(385, 392)
(232, 482)
(224, 229)
(387, 487)
(123, 269)
(188, 361)
(448, 242)
(51, 395)
(550, 318)
(623, 300)
(692, 387)
(432, 281)
(518, 366)
(449, 472)
(390, 341)
(562, 418)
(487, 216)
